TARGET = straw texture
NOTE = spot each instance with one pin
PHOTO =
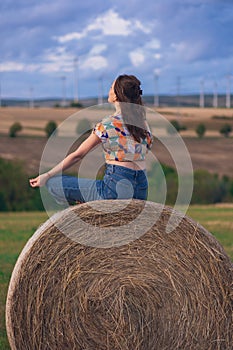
(162, 291)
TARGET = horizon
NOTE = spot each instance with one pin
(163, 100)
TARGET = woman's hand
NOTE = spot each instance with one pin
(40, 180)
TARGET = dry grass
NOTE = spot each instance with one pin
(164, 290)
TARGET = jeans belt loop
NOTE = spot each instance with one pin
(110, 167)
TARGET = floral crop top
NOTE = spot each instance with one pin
(117, 142)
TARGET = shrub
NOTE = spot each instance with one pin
(231, 188)
(225, 130)
(207, 188)
(227, 185)
(162, 179)
(15, 193)
(76, 104)
(14, 129)
(51, 128)
(174, 127)
(200, 130)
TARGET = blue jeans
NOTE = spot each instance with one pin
(118, 183)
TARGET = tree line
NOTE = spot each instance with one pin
(208, 188)
(17, 195)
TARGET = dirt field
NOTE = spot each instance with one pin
(213, 152)
(34, 120)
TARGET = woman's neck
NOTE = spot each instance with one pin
(117, 108)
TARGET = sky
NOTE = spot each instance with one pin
(77, 48)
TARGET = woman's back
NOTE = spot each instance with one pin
(118, 144)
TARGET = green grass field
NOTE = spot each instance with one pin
(16, 228)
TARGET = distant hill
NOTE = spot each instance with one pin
(164, 101)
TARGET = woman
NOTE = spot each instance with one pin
(125, 137)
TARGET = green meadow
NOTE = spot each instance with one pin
(16, 228)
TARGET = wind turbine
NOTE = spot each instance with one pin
(156, 86)
(31, 102)
(100, 90)
(215, 97)
(202, 96)
(63, 79)
(76, 79)
(228, 92)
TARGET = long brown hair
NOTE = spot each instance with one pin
(128, 92)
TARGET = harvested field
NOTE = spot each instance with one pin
(213, 152)
(36, 119)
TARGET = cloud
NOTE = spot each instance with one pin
(11, 67)
(60, 60)
(188, 51)
(109, 23)
(144, 28)
(157, 71)
(71, 36)
(157, 56)
(57, 60)
(94, 63)
(98, 49)
(137, 57)
(153, 44)
(141, 54)
(53, 60)
(86, 50)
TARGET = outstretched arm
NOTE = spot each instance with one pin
(66, 163)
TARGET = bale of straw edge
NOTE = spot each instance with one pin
(161, 290)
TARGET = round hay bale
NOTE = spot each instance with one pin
(163, 290)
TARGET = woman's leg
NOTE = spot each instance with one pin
(141, 185)
(119, 183)
(72, 189)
